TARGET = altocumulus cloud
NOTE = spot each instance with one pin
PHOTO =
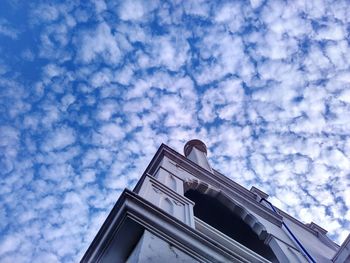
(89, 92)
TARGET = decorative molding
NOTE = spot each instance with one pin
(198, 245)
(155, 189)
(184, 206)
(271, 236)
(168, 191)
(167, 170)
(228, 242)
(317, 228)
(218, 180)
(343, 254)
(143, 206)
(177, 203)
(259, 193)
(228, 202)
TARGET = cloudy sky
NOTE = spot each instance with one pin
(89, 91)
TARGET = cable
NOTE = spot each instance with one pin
(291, 233)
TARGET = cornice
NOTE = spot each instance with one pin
(216, 179)
(343, 252)
(193, 242)
(221, 181)
(304, 226)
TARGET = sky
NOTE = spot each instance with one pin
(89, 90)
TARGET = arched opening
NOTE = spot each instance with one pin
(228, 221)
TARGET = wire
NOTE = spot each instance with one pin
(291, 233)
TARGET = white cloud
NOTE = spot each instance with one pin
(101, 78)
(334, 32)
(230, 14)
(197, 8)
(46, 12)
(138, 105)
(9, 243)
(170, 52)
(345, 95)
(9, 136)
(56, 172)
(131, 10)
(100, 6)
(224, 102)
(108, 134)
(107, 110)
(100, 43)
(264, 84)
(59, 139)
(255, 3)
(66, 101)
(7, 30)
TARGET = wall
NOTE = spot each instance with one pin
(152, 249)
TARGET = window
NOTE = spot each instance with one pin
(216, 214)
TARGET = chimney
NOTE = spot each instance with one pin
(196, 151)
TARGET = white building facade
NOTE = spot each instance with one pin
(182, 210)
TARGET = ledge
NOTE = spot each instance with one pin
(157, 221)
(343, 254)
(236, 191)
(228, 242)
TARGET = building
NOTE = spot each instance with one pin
(182, 210)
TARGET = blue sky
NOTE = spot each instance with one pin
(89, 91)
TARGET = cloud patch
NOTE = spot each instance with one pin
(89, 92)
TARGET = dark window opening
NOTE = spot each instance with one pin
(214, 213)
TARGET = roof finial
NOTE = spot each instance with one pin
(196, 151)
